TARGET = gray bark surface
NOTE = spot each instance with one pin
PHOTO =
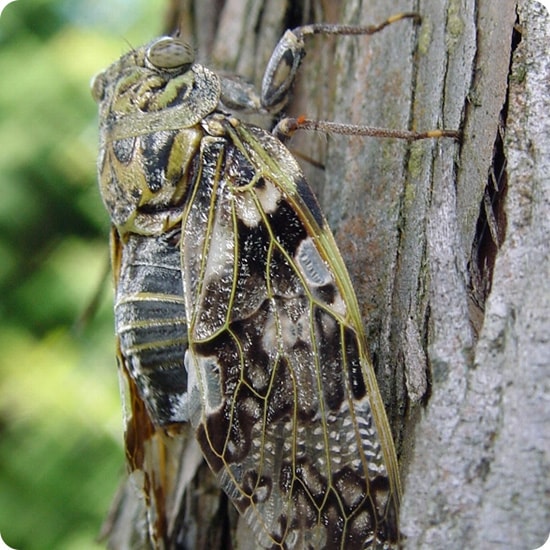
(479, 473)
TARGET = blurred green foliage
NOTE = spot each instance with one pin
(61, 454)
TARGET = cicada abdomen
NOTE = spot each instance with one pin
(150, 323)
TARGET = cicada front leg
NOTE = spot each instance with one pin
(282, 70)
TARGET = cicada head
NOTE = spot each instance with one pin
(144, 79)
(151, 102)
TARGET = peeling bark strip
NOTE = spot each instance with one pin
(472, 440)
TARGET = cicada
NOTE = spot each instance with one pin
(235, 315)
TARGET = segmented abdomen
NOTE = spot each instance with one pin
(150, 323)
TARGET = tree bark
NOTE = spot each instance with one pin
(447, 243)
(478, 474)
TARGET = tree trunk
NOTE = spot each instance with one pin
(447, 244)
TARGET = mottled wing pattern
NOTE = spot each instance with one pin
(281, 392)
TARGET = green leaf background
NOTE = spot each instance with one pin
(61, 454)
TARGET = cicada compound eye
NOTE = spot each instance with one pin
(170, 54)
(97, 86)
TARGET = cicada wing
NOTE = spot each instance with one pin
(284, 407)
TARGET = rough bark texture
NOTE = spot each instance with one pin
(448, 244)
(479, 470)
